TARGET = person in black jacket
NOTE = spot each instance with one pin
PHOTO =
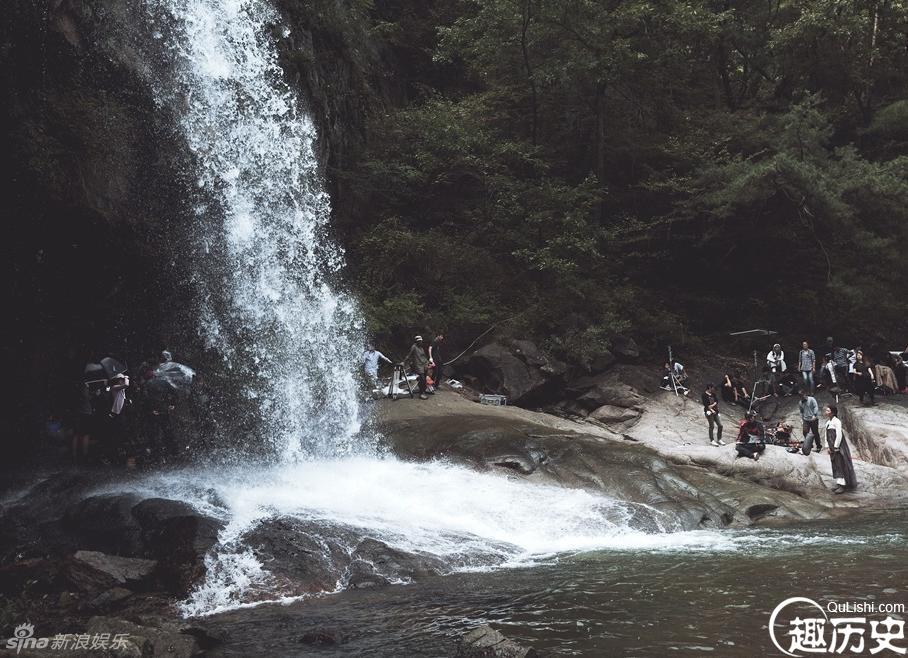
(711, 411)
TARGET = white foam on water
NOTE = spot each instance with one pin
(471, 520)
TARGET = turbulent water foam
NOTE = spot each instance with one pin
(267, 265)
(468, 520)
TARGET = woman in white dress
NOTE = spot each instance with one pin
(839, 453)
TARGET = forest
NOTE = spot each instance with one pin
(576, 169)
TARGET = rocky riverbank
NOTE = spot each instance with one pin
(82, 553)
(660, 457)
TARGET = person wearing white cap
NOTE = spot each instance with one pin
(418, 361)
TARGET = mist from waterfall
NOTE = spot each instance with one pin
(269, 267)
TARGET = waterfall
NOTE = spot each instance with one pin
(266, 275)
(267, 279)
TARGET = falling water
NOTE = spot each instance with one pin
(268, 296)
(267, 279)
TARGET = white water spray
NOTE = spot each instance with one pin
(267, 302)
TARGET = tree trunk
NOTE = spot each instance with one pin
(600, 142)
(529, 70)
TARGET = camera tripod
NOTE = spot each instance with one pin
(399, 375)
(677, 386)
(757, 382)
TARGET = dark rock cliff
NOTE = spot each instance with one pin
(95, 252)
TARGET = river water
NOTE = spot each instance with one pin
(713, 600)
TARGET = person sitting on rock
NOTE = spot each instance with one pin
(674, 369)
(751, 441)
(728, 387)
(743, 395)
(734, 391)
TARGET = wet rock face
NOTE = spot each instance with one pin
(879, 434)
(306, 557)
(106, 523)
(95, 571)
(109, 540)
(179, 537)
(624, 472)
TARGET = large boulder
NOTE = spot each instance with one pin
(92, 571)
(528, 352)
(179, 537)
(307, 557)
(396, 564)
(606, 389)
(304, 557)
(106, 523)
(500, 371)
(610, 414)
(878, 434)
(519, 371)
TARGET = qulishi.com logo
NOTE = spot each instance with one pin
(802, 627)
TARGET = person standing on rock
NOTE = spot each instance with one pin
(418, 361)
(807, 365)
(370, 364)
(775, 361)
(84, 422)
(436, 361)
(839, 453)
(839, 358)
(810, 418)
(711, 411)
(864, 378)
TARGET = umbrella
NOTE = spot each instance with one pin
(173, 376)
(112, 367)
(94, 372)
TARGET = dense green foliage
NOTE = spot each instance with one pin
(582, 167)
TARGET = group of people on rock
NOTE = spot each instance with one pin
(751, 439)
(424, 359)
(840, 370)
(104, 411)
(845, 370)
